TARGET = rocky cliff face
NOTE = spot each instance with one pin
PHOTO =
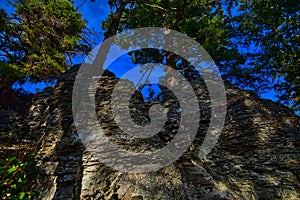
(257, 155)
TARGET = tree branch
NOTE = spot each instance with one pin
(80, 5)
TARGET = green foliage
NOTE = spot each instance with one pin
(201, 20)
(223, 28)
(273, 27)
(107, 185)
(36, 39)
(106, 188)
(17, 172)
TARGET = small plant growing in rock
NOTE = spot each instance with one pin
(17, 176)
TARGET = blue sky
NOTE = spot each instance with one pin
(95, 13)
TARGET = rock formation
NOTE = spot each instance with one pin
(257, 155)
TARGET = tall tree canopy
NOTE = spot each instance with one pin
(254, 43)
(202, 21)
(274, 28)
(36, 38)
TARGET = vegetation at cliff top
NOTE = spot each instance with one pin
(254, 43)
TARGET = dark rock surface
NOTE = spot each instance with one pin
(257, 155)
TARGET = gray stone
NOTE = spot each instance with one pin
(256, 157)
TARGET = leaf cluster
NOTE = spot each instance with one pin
(17, 172)
(254, 43)
(35, 40)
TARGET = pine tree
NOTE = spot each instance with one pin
(36, 39)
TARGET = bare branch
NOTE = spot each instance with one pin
(151, 5)
(84, 1)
